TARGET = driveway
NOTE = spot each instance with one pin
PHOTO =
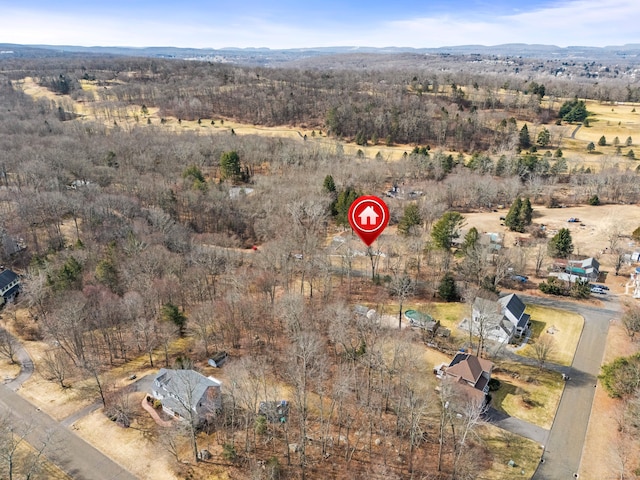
(563, 450)
(26, 366)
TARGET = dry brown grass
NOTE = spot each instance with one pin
(49, 396)
(127, 446)
(504, 447)
(528, 393)
(566, 328)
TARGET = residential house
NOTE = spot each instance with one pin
(587, 269)
(188, 394)
(492, 241)
(9, 286)
(500, 321)
(469, 373)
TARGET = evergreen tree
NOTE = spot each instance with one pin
(447, 289)
(512, 219)
(411, 218)
(526, 213)
(544, 138)
(171, 313)
(573, 111)
(329, 185)
(628, 142)
(342, 204)
(230, 166)
(561, 244)
(580, 289)
(591, 147)
(524, 141)
(603, 141)
(471, 239)
(446, 230)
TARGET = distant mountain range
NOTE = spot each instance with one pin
(268, 56)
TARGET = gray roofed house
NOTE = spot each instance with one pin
(513, 309)
(9, 286)
(501, 320)
(182, 391)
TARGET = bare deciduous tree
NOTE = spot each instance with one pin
(543, 348)
(18, 459)
(8, 346)
(56, 366)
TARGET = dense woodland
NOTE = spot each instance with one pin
(134, 240)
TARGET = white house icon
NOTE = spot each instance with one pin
(368, 216)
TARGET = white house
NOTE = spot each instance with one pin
(9, 286)
(500, 321)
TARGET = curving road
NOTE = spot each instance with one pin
(563, 449)
(73, 455)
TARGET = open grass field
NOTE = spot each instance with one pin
(563, 327)
(612, 121)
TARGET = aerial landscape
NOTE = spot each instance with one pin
(334, 241)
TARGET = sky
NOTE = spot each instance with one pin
(280, 24)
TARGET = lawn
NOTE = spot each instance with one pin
(527, 393)
(504, 447)
(449, 314)
(564, 328)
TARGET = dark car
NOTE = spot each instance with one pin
(519, 278)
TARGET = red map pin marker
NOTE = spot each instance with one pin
(368, 216)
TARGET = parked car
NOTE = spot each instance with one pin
(519, 278)
(573, 220)
(597, 289)
(604, 287)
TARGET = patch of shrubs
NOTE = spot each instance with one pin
(494, 384)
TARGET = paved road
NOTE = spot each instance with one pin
(72, 454)
(563, 450)
(573, 134)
